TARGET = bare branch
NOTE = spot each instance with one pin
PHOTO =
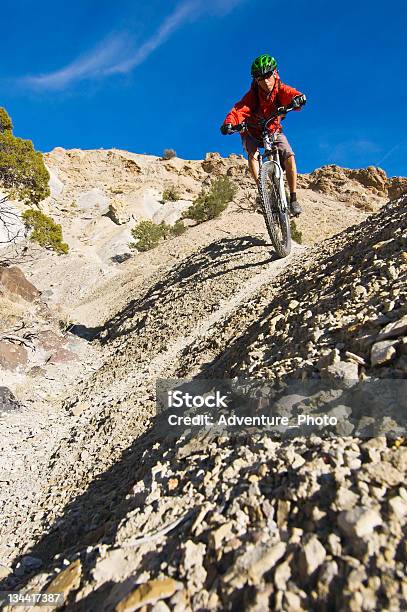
(19, 339)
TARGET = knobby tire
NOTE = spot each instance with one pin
(277, 222)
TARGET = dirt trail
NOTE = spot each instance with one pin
(113, 406)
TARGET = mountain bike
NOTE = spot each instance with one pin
(271, 184)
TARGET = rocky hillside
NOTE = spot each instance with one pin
(99, 196)
(120, 516)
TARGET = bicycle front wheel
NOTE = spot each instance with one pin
(276, 218)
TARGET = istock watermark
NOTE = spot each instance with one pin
(178, 399)
(323, 407)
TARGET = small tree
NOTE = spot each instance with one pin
(45, 231)
(178, 228)
(147, 234)
(22, 171)
(6, 125)
(170, 194)
(209, 204)
(169, 154)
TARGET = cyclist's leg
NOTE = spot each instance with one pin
(291, 173)
(251, 148)
(287, 159)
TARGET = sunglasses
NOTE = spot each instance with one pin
(265, 76)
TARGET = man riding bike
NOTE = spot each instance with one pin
(266, 94)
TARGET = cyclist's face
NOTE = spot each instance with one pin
(267, 82)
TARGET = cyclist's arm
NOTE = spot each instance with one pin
(241, 109)
(287, 93)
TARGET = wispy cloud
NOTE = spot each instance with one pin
(95, 64)
(116, 55)
(170, 24)
(343, 151)
(389, 153)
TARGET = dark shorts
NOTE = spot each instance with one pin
(285, 151)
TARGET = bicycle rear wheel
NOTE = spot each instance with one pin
(277, 221)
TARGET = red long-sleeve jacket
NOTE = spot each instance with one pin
(257, 102)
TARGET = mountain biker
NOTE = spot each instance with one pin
(266, 94)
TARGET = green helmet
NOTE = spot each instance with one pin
(262, 65)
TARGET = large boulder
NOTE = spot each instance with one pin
(364, 188)
(14, 285)
(397, 187)
(372, 178)
(119, 212)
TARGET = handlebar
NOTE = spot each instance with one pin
(282, 110)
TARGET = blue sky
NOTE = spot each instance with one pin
(148, 76)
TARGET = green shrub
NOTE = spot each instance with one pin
(148, 234)
(296, 234)
(169, 154)
(209, 204)
(22, 170)
(170, 194)
(45, 231)
(178, 228)
(6, 125)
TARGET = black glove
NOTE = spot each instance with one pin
(298, 101)
(226, 128)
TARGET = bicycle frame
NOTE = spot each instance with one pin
(271, 156)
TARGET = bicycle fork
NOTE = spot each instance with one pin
(279, 173)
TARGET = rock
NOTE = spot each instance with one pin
(311, 557)
(36, 372)
(356, 358)
(345, 499)
(148, 593)
(326, 574)
(371, 177)
(293, 304)
(63, 356)
(292, 602)
(381, 473)
(223, 532)
(398, 506)
(397, 187)
(118, 212)
(68, 580)
(394, 329)
(283, 510)
(193, 563)
(49, 340)
(282, 576)
(382, 352)
(8, 402)
(12, 356)
(214, 164)
(359, 291)
(112, 564)
(15, 285)
(342, 370)
(266, 561)
(31, 563)
(5, 571)
(359, 521)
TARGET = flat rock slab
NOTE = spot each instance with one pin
(15, 285)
